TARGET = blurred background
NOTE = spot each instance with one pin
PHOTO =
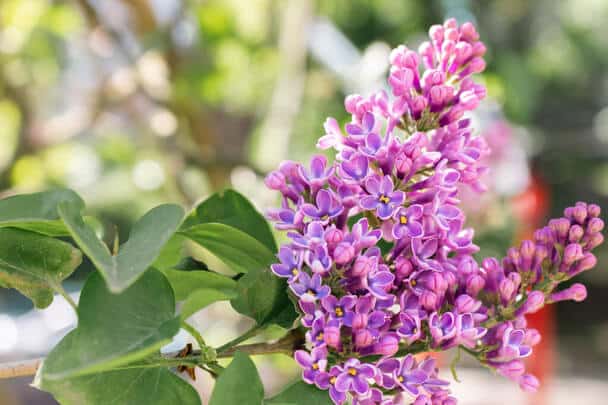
(137, 102)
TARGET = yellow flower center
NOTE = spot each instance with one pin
(295, 272)
(384, 199)
(339, 311)
(403, 220)
(400, 378)
(320, 336)
(325, 217)
(352, 371)
(413, 283)
(315, 366)
(311, 292)
(332, 380)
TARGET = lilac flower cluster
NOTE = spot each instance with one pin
(379, 258)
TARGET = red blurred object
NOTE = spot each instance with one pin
(530, 209)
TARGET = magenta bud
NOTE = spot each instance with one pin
(436, 283)
(275, 180)
(331, 335)
(594, 241)
(594, 210)
(560, 226)
(362, 266)
(476, 65)
(465, 303)
(526, 250)
(576, 292)
(468, 32)
(387, 345)
(576, 233)
(333, 235)
(586, 263)
(429, 300)
(403, 267)
(359, 321)
(533, 337)
(534, 302)
(579, 213)
(572, 253)
(475, 283)
(403, 164)
(363, 338)
(529, 383)
(506, 289)
(512, 369)
(595, 225)
(344, 253)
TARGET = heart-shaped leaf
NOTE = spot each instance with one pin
(199, 288)
(240, 251)
(37, 212)
(238, 384)
(35, 264)
(148, 236)
(150, 386)
(233, 209)
(115, 329)
(300, 393)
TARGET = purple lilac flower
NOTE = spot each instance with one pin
(407, 222)
(328, 381)
(355, 377)
(309, 288)
(379, 257)
(382, 197)
(291, 263)
(327, 206)
(340, 309)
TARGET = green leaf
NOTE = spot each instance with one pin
(185, 283)
(200, 288)
(240, 251)
(233, 209)
(300, 393)
(148, 236)
(115, 329)
(203, 297)
(37, 212)
(35, 264)
(151, 386)
(238, 384)
(171, 254)
(263, 297)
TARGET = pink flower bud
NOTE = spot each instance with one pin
(576, 233)
(359, 321)
(529, 383)
(429, 300)
(512, 369)
(595, 225)
(576, 292)
(474, 284)
(534, 302)
(333, 236)
(506, 289)
(387, 345)
(362, 266)
(363, 338)
(594, 210)
(331, 335)
(275, 180)
(403, 267)
(344, 253)
(465, 303)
